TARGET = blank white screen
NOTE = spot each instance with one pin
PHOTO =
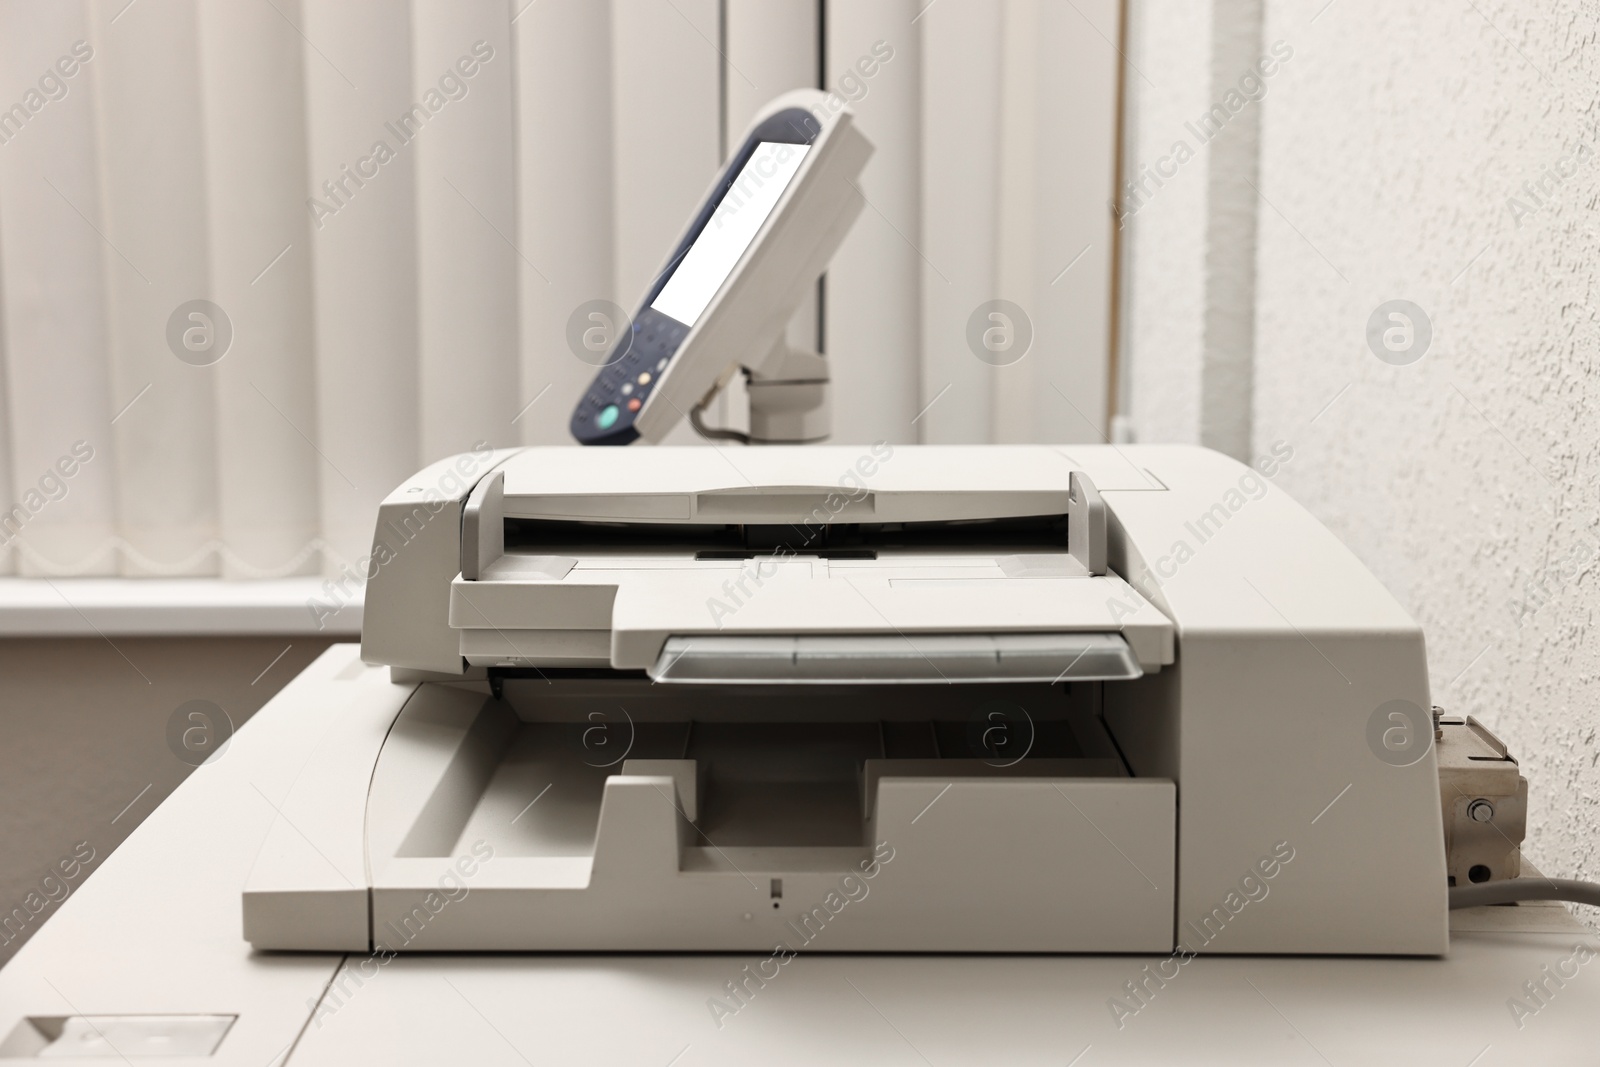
(712, 257)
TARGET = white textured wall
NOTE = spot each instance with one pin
(1390, 148)
(1465, 479)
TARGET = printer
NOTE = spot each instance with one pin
(874, 697)
(889, 697)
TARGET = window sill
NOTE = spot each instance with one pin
(84, 607)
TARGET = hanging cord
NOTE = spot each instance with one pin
(713, 433)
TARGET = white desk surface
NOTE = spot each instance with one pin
(158, 930)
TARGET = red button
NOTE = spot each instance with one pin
(634, 404)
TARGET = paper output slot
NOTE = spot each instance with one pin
(875, 659)
(743, 523)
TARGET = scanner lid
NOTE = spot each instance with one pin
(598, 557)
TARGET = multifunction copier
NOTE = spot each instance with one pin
(889, 697)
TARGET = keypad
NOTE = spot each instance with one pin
(623, 386)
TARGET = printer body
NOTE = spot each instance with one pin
(875, 698)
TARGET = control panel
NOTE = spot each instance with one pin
(605, 415)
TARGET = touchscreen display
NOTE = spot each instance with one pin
(712, 257)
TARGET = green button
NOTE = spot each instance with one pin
(607, 417)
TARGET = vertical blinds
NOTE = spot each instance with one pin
(260, 261)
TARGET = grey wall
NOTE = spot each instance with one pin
(85, 753)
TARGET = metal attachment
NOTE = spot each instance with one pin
(1485, 802)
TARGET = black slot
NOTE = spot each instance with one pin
(1036, 532)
